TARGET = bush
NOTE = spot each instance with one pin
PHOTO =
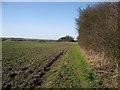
(99, 30)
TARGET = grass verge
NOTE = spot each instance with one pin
(72, 71)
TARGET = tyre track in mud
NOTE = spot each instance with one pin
(47, 68)
(42, 72)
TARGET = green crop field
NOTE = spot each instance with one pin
(28, 64)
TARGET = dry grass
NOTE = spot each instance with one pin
(106, 66)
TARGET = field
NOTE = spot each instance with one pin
(29, 64)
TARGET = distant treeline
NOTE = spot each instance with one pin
(98, 28)
(66, 39)
(62, 39)
(25, 39)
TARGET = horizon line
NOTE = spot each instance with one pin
(33, 37)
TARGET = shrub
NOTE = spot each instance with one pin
(99, 30)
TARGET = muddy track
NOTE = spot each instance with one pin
(46, 69)
(42, 72)
(36, 80)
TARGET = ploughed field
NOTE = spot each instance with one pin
(29, 64)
